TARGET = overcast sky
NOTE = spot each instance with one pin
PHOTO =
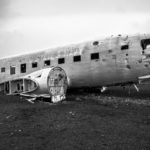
(32, 25)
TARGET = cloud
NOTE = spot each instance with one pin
(4, 8)
(31, 34)
(38, 8)
(37, 24)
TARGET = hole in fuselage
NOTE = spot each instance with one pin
(95, 43)
(145, 43)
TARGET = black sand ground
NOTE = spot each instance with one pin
(88, 122)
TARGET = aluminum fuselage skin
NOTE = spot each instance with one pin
(114, 66)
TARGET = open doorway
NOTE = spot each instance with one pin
(7, 87)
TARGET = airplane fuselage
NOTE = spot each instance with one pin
(110, 61)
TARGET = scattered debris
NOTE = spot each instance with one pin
(31, 100)
(57, 98)
(8, 117)
(71, 113)
(78, 99)
(103, 89)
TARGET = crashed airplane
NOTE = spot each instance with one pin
(113, 61)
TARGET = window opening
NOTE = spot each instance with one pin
(94, 56)
(3, 69)
(77, 58)
(23, 68)
(12, 70)
(34, 64)
(47, 63)
(61, 60)
(124, 47)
